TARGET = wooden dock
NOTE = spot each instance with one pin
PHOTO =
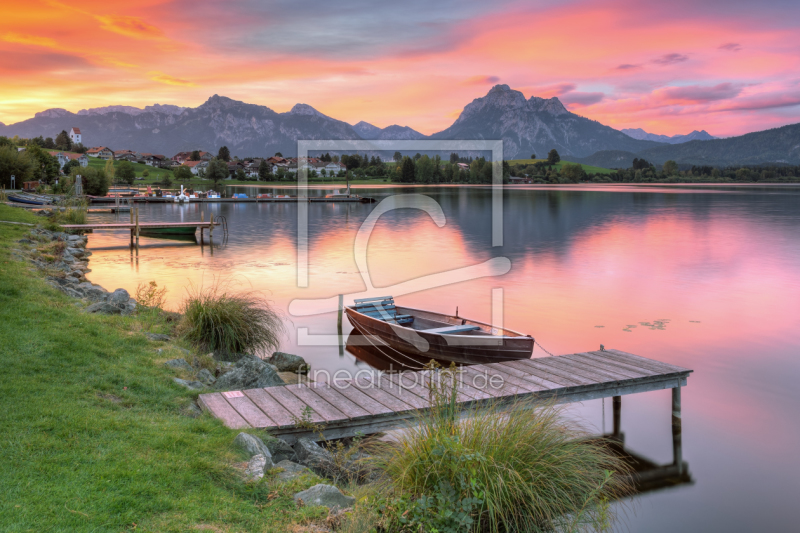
(141, 225)
(389, 402)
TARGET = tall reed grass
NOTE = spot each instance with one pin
(216, 319)
(519, 467)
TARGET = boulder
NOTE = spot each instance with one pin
(280, 450)
(249, 372)
(158, 337)
(119, 298)
(252, 446)
(326, 496)
(25, 241)
(256, 467)
(287, 362)
(291, 470)
(103, 308)
(73, 238)
(180, 364)
(314, 456)
(191, 385)
(206, 377)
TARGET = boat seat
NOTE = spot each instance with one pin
(382, 308)
(450, 330)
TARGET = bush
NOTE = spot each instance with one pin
(219, 321)
(514, 468)
(94, 180)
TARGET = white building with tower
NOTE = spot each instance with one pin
(75, 135)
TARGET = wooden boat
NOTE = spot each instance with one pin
(444, 338)
(154, 232)
(31, 199)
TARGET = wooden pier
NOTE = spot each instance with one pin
(391, 401)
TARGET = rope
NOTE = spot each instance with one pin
(366, 336)
(543, 349)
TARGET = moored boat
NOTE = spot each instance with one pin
(431, 335)
(31, 199)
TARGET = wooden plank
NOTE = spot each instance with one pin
(402, 393)
(564, 370)
(450, 330)
(291, 403)
(360, 398)
(338, 400)
(463, 395)
(249, 411)
(634, 360)
(544, 372)
(219, 407)
(505, 389)
(507, 376)
(384, 398)
(603, 364)
(523, 372)
(581, 369)
(317, 403)
(270, 406)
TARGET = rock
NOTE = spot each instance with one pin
(312, 455)
(119, 298)
(248, 373)
(280, 450)
(66, 258)
(269, 378)
(104, 308)
(191, 385)
(180, 364)
(73, 238)
(158, 337)
(256, 467)
(25, 241)
(228, 357)
(206, 377)
(326, 496)
(291, 470)
(287, 362)
(129, 307)
(74, 252)
(252, 446)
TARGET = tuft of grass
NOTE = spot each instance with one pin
(215, 319)
(519, 467)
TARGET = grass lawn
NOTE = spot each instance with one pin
(95, 435)
(589, 169)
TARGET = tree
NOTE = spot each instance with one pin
(49, 144)
(93, 180)
(109, 170)
(217, 171)
(264, 170)
(79, 148)
(397, 157)
(670, 168)
(45, 166)
(453, 158)
(408, 171)
(166, 180)
(63, 142)
(14, 163)
(183, 173)
(195, 155)
(278, 154)
(533, 156)
(573, 172)
(125, 172)
(224, 153)
(424, 170)
(417, 156)
(69, 165)
(240, 175)
(553, 157)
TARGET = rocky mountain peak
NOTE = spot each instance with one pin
(166, 109)
(305, 109)
(56, 112)
(218, 102)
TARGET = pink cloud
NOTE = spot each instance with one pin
(481, 80)
(694, 94)
(670, 59)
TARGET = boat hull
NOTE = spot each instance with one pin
(168, 231)
(459, 349)
(24, 200)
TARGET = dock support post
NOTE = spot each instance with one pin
(677, 447)
(202, 219)
(137, 227)
(211, 226)
(339, 324)
(617, 403)
(131, 225)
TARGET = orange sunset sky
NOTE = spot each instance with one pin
(729, 67)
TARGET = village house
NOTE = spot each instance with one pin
(182, 157)
(100, 151)
(155, 160)
(196, 166)
(65, 157)
(75, 135)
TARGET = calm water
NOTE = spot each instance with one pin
(721, 267)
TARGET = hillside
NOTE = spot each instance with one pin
(639, 133)
(589, 169)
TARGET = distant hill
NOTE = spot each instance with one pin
(609, 159)
(394, 132)
(639, 133)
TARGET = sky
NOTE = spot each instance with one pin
(726, 66)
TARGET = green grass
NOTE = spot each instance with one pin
(94, 433)
(214, 319)
(589, 169)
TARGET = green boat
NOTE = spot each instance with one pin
(167, 231)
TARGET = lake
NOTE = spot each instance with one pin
(719, 267)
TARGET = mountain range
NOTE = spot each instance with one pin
(639, 133)
(526, 126)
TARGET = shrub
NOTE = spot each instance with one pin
(217, 320)
(150, 296)
(94, 180)
(503, 468)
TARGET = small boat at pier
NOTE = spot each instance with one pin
(431, 335)
(30, 199)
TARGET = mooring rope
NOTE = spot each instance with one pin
(366, 336)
